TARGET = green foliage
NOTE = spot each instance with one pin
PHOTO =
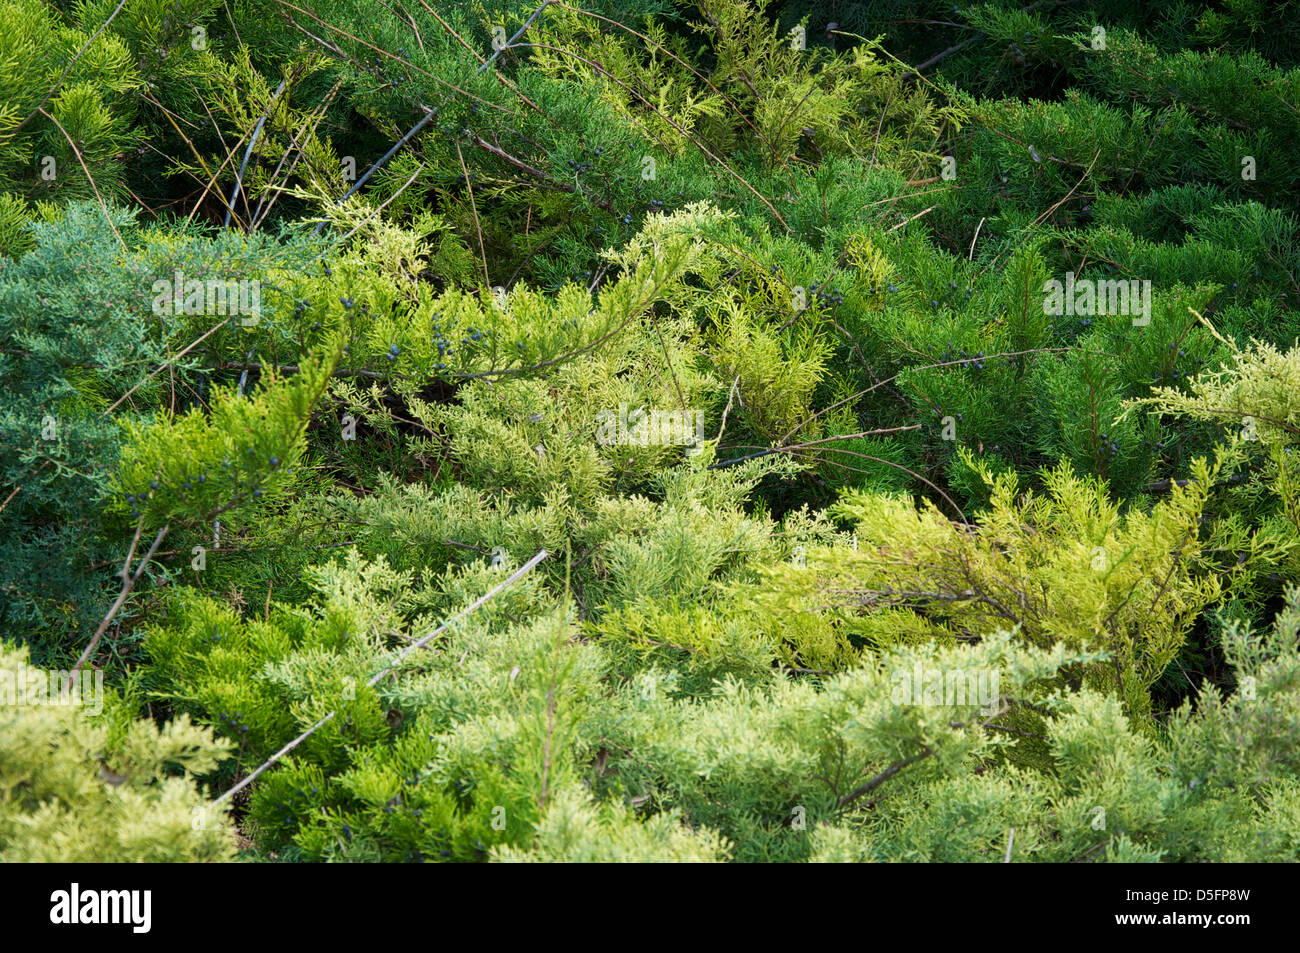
(745, 315)
(79, 785)
(1252, 402)
(235, 453)
(499, 720)
(77, 335)
(1200, 792)
(69, 143)
(1063, 568)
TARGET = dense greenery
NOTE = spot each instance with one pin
(647, 430)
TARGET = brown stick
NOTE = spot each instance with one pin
(89, 178)
(128, 583)
(882, 777)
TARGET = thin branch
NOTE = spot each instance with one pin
(128, 583)
(252, 143)
(383, 205)
(509, 581)
(957, 48)
(518, 33)
(90, 178)
(882, 777)
(537, 174)
(913, 218)
(478, 227)
(167, 363)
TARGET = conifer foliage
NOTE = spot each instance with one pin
(668, 430)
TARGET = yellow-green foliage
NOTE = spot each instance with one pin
(777, 371)
(1255, 396)
(1254, 401)
(265, 680)
(81, 786)
(520, 741)
(200, 464)
(578, 830)
(1064, 566)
